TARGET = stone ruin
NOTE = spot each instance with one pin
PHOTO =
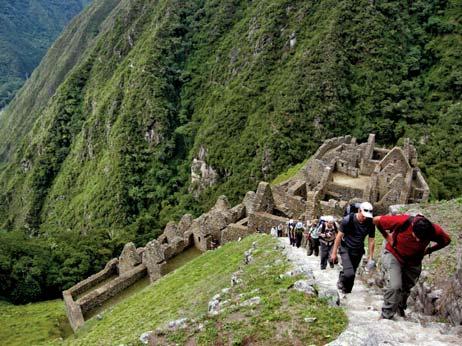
(341, 171)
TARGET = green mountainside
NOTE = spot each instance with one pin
(249, 87)
(28, 28)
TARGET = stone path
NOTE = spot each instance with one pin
(363, 310)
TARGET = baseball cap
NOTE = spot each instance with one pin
(366, 209)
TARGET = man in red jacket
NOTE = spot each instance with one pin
(408, 242)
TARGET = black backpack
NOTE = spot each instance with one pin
(351, 209)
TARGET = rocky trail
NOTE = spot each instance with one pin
(363, 310)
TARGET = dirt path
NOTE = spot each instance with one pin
(363, 310)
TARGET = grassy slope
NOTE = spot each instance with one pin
(186, 292)
(32, 324)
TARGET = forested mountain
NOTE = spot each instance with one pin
(28, 28)
(235, 90)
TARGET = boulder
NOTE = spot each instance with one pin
(331, 295)
(306, 287)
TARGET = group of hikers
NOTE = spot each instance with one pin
(408, 240)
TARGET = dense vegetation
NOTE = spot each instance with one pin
(251, 86)
(28, 29)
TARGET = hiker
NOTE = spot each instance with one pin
(350, 239)
(313, 241)
(327, 232)
(274, 231)
(280, 230)
(299, 229)
(291, 232)
(306, 236)
(407, 244)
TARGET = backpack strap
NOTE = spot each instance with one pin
(400, 229)
(350, 223)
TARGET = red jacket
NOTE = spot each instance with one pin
(407, 249)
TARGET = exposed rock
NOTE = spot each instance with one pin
(306, 287)
(310, 319)
(202, 175)
(251, 301)
(144, 338)
(214, 307)
(235, 279)
(247, 257)
(332, 296)
(450, 302)
(129, 258)
(178, 324)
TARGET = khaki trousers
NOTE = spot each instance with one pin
(399, 279)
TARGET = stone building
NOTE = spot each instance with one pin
(342, 171)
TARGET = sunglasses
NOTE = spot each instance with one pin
(367, 210)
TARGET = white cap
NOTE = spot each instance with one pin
(366, 209)
(329, 218)
(299, 225)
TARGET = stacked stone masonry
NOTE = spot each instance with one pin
(341, 171)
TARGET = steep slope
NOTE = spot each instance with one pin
(18, 119)
(28, 29)
(237, 89)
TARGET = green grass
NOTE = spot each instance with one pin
(293, 170)
(186, 292)
(33, 324)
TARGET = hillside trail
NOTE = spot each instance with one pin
(363, 307)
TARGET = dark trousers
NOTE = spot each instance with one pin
(313, 247)
(292, 238)
(350, 262)
(298, 238)
(326, 250)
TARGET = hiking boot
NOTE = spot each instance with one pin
(331, 264)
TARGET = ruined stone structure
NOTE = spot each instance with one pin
(340, 171)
